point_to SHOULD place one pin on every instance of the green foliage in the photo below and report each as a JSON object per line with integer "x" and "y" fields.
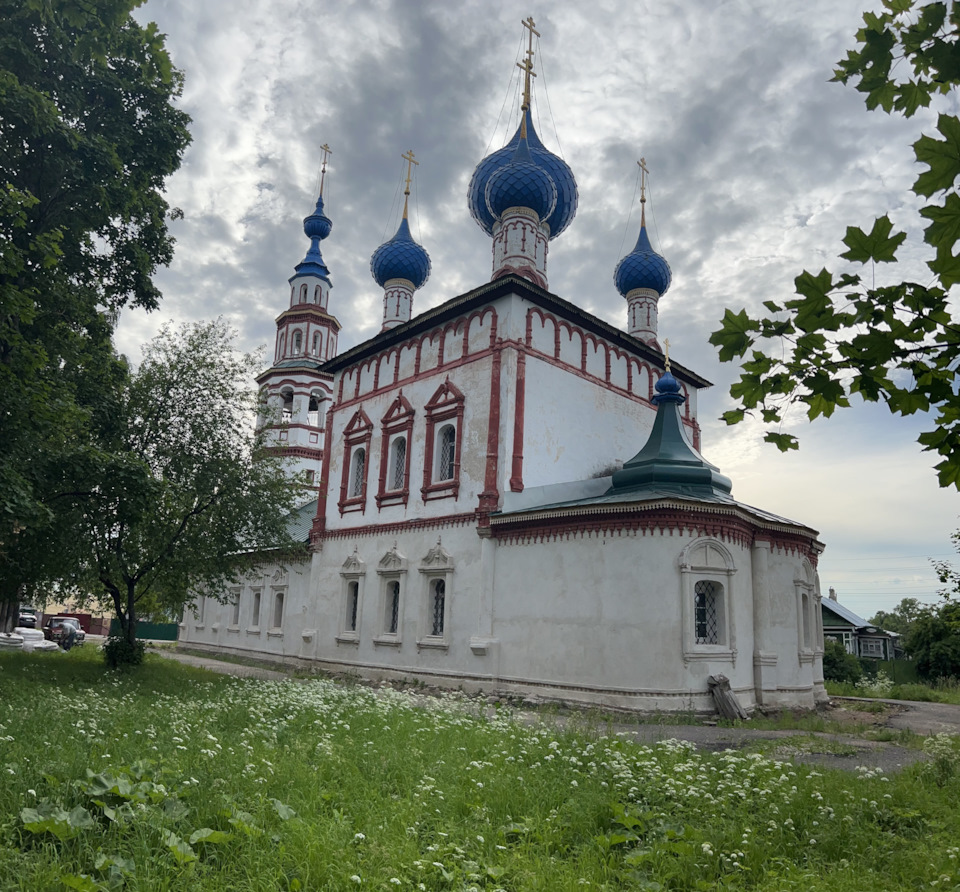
{"x": 121, "y": 653}
{"x": 838, "y": 665}
{"x": 900, "y": 619}
{"x": 90, "y": 134}
{"x": 181, "y": 495}
{"x": 934, "y": 642}
{"x": 177, "y": 779}
{"x": 894, "y": 344}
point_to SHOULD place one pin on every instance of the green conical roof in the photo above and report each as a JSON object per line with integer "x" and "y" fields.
{"x": 668, "y": 462}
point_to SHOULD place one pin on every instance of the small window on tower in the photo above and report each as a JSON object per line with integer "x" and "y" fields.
{"x": 317, "y": 295}
{"x": 303, "y": 294}
{"x": 297, "y": 343}
{"x": 316, "y": 343}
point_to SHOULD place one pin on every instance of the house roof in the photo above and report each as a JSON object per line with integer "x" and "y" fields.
{"x": 847, "y": 615}
{"x": 511, "y": 284}
{"x": 300, "y": 520}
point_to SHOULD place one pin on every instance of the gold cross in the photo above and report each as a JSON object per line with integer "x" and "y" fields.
{"x": 642, "y": 164}
{"x": 527, "y": 64}
{"x": 408, "y": 157}
{"x": 666, "y": 353}
{"x": 323, "y": 166}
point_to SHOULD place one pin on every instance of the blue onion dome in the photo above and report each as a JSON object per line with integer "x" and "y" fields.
{"x": 521, "y": 184}
{"x": 558, "y": 169}
{"x": 400, "y": 258}
{"x": 316, "y": 227}
{"x": 668, "y": 389}
{"x": 642, "y": 268}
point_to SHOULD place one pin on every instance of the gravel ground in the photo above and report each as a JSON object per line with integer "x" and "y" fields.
{"x": 883, "y": 718}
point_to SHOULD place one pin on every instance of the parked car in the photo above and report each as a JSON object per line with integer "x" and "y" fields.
{"x": 28, "y": 618}
{"x": 56, "y": 630}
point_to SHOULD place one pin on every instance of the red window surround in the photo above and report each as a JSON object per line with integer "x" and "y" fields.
{"x": 398, "y": 420}
{"x": 357, "y": 434}
{"x": 445, "y": 405}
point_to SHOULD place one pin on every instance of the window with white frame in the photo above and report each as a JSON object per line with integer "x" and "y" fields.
{"x": 352, "y": 574}
{"x": 398, "y": 463}
{"x": 437, "y": 574}
{"x": 396, "y": 430}
{"x": 358, "y": 468}
{"x": 446, "y": 451}
{"x": 235, "y": 603}
{"x": 255, "y": 612}
{"x": 356, "y": 451}
{"x": 392, "y": 571}
{"x": 391, "y": 612}
{"x": 278, "y": 598}
{"x": 707, "y": 572}
{"x": 871, "y": 647}
{"x": 444, "y": 443}
{"x": 708, "y": 598}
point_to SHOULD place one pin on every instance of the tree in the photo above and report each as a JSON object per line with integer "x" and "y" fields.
{"x": 934, "y": 642}
{"x": 89, "y": 135}
{"x": 838, "y": 665}
{"x": 181, "y": 496}
{"x": 900, "y": 619}
{"x": 898, "y": 343}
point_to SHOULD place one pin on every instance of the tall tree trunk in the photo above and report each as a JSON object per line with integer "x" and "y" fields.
{"x": 131, "y": 630}
{"x": 9, "y": 613}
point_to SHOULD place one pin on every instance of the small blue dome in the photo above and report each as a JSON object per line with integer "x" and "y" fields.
{"x": 521, "y": 183}
{"x": 668, "y": 388}
{"x": 316, "y": 227}
{"x": 400, "y": 258}
{"x": 558, "y": 169}
{"x": 642, "y": 268}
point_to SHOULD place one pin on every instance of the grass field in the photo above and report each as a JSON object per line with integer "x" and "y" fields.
{"x": 168, "y": 778}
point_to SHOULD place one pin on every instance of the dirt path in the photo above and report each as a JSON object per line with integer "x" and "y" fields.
{"x": 847, "y": 751}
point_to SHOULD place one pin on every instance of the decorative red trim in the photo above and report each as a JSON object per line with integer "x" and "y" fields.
{"x": 516, "y": 470}
{"x": 490, "y": 496}
{"x": 398, "y": 420}
{"x": 356, "y": 435}
{"x": 402, "y": 526}
{"x": 320, "y": 520}
{"x": 445, "y": 404}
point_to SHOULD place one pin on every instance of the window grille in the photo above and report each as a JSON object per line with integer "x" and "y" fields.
{"x": 706, "y": 617}
{"x": 394, "y": 608}
{"x": 439, "y": 590}
{"x": 353, "y": 599}
{"x": 359, "y": 463}
{"x": 448, "y": 442}
{"x": 399, "y": 463}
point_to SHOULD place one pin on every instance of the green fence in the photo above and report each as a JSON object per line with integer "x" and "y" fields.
{"x": 150, "y": 631}
{"x": 899, "y": 671}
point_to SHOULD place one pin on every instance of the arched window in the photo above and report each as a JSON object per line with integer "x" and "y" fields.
{"x": 393, "y": 607}
{"x": 297, "y": 342}
{"x": 318, "y": 295}
{"x": 316, "y": 343}
{"x": 437, "y": 598}
{"x": 446, "y": 452}
{"x": 353, "y": 600}
{"x": 398, "y": 463}
{"x": 303, "y": 294}
{"x": 287, "y": 412}
{"x": 357, "y": 472}
{"x": 278, "y": 610}
{"x": 313, "y": 411}
{"x": 706, "y": 611}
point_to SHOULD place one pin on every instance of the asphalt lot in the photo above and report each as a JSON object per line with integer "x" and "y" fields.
{"x": 832, "y": 750}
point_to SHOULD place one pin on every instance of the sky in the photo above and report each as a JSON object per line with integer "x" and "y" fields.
{"x": 757, "y": 166}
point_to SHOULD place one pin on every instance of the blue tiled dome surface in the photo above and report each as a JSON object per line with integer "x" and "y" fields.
{"x": 400, "y": 258}
{"x": 560, "y": 172}
{"x": 521, "y": 183}
{"x": 642, "y": 268}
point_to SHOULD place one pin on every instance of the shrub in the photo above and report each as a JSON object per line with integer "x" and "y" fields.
{"x": 838, "y": 665}
{"x": 119, "y": 653}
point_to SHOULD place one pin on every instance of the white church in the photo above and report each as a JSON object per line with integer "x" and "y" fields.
{"x": 510, "y": 493}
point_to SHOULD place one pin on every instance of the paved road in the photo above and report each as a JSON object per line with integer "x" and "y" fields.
{"x": 845, "y": 751}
